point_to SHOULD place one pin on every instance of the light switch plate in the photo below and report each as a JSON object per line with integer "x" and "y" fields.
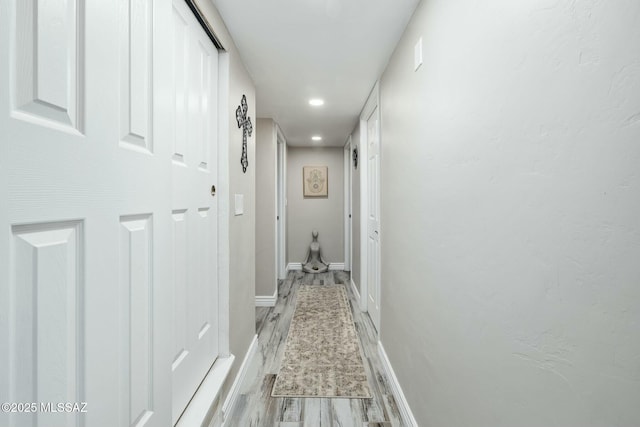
{"x": 417, "y": 55}
{"x": 239, "y": 204}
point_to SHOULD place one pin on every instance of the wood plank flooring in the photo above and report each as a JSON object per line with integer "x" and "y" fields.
{"x": 256, "y": 407}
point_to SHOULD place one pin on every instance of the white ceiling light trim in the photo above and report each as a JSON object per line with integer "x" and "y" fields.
{"x": 316, "y": 102}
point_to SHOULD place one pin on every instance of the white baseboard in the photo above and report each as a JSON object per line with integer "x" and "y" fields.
{"x": 297, "y": 266}
{"x": 198, "y": 408}
{"x": 403, "y": 406}
{"x": 294, "y": 266}
{"x": 355, "y": 290}
{"x": 269, "y": 301}
{"x": 234, "y": 392}
{"x": 336, "y": 266}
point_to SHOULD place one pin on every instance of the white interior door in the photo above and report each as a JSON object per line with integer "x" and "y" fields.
{"x": 84, "y": 218}
{"x": 373, "y": 217}
{"x": 194, "y": 206}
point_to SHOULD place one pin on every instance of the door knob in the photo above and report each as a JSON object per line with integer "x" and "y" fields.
{"x": 213, "y": 190}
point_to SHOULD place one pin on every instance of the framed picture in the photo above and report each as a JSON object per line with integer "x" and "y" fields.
{"x": 315, "y": 181}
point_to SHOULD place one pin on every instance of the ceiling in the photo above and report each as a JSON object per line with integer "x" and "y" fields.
{"x": 301, "y": 49}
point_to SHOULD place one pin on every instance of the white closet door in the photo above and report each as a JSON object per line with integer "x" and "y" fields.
{"x": 194, "y": 207}
{"x": 85, "y": 215}
{"x": 373, "y": 217}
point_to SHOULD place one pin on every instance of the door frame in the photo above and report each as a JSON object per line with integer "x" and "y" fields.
{"x": 281, "y": 204}
{"x": 348, "y": 179}
{"x": 223, "y": 190}
{"x": 373, "y": 102}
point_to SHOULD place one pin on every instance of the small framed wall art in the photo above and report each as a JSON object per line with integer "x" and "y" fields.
{"x": 315, "y": 181}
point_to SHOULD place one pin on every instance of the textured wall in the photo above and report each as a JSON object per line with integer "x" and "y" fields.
{"x": 266, "y": 150}
{"x": 324, "y": 214}
{"x": 242, "y": 231}
{"x": 511, "y": 254}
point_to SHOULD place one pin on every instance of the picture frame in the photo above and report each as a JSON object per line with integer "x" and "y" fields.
{"x": 315, "y": 181}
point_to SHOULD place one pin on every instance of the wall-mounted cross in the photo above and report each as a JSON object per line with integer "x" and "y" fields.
{"x": 244, "y": 122}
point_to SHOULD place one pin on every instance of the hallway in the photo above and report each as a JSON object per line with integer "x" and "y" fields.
{"x": 472, "y": 169}
{"x": 256, "y": 407}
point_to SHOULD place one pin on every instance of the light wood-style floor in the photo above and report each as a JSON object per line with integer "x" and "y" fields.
{"x": 256, "y": 407}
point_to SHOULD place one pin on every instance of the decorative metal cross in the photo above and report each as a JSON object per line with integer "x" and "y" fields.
{"x": 244, "y": 122}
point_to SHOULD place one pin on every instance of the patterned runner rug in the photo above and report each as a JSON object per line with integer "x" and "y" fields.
{"x": 322, "y": 357}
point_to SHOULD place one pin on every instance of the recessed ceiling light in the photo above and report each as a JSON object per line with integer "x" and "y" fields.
{"x": 316, "y": 138}
{"x": 316, "y": 102}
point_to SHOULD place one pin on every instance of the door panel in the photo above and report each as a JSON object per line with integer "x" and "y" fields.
{"x": 47, "y": 298}
{"x": 136, "y": 79}
{"x": 136, "y": 284}
{"x": 48, "y": 65}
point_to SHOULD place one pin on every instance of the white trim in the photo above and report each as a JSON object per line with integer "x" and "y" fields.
{"x": 223, "y": 195}
{"x": 234, "y": 391}
{"x": 333, "y": 266}
{"x": 267, "y": 301}
{"x": 362, "y": 155}
{"x": 350, "y": 265}
{"x": 371, "y": 104}
{"x": 195, "y": 414}
{"x": 347, "y": 203}
{"x": 355, "y": 289}
{"x": 281, "y": 195}
{"x": 284, "y": 206}
{"x": 276, "y": 224}
{"x": 373, "y": 306}
{"x": 401, "y": 401}
{"x": 294, "y": 266}
{"x": 336, "y": 266}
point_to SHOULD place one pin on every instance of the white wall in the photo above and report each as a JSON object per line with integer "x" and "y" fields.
{"x": 266, "y": 164}
{"x": 323, "y": 214}
{"x": 511, "y": 213}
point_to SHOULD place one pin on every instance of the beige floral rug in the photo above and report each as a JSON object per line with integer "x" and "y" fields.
{"x": 322, "y": 357}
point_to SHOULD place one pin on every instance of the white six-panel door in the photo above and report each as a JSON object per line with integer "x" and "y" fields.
{"x": 373, "y": 217}
{"x": 194, "y": 207}
{"x": 107, "y": 223}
